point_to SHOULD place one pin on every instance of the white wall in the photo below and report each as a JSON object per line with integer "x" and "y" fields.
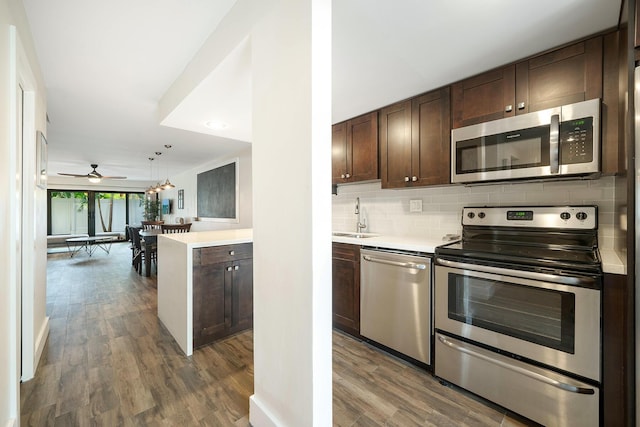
{"x": 291, "y": 60}
{"x": 188, "y": 181}
{"x": 387, "y": 211}
{"x": 12, "y": 14}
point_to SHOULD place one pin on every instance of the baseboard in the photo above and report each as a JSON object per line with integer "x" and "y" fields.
{"x": 40, "y": 343}
{"x": 259, "y": 415}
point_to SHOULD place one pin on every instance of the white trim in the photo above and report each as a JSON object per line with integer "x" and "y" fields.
{"x": 259, "y": 416}
{"x": 40, "y": 342}
{"x": 13, "y": 237}
{"x": 12, "y": 422}
{"x": 27, "y": 82}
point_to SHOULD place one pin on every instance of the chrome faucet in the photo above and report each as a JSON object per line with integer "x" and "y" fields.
{"x": 359, "y": 225}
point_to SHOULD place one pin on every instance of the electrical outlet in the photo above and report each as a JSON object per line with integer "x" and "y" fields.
{"x": 415, "y": 205}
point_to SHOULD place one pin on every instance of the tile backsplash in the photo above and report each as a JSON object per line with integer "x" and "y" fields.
{"x": 387, "y": 211}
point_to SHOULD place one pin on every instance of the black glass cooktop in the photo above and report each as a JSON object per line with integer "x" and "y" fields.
{"x": 548, "y": 250}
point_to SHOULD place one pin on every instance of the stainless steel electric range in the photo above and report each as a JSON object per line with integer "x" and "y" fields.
{"x": 517, "y": 311}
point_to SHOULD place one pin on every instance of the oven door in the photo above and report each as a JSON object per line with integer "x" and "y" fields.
{"x": 555, "y": 324}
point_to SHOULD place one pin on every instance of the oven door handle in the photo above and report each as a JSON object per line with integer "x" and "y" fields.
{"x": 554, "y": 278}
{"x": 395, "y": 263}
{"x": 526, "y": 372}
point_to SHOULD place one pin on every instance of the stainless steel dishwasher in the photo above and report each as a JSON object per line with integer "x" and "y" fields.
{"x": 395, "y": 301}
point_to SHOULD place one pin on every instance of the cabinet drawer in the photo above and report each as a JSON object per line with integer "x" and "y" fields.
{"x": 346, "y": 251}
{"x": 217, "y": 254}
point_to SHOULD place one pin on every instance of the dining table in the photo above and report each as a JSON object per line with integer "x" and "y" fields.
{"x": 149, "y": 238}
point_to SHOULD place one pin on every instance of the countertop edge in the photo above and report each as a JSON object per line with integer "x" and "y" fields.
{"x": 202, "y": 239}
{"x": 611, "y": 261}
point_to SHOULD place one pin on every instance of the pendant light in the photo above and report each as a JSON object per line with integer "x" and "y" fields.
{"x": 167, "y": 184}
{"x": 150, "y": 190}
{"x": 158, "y": 187}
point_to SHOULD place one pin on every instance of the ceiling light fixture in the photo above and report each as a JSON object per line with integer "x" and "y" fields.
{"x": 158, "y": 187}
{"x": 150, "y": 190}
{"x": 216, "y": 125}
{"x": 94, "y": 179}
{"x": 167, "y": 184}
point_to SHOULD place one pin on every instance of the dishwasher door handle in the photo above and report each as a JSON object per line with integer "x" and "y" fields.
{"x": 395, "y": 263}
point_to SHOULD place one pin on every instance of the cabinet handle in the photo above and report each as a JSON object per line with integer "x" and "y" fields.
{"x": 508, "y": 108}
{"x": 414, "y": 178}
{"x": 236, "y": 268}
{"x": 343, "y": 176}
{"x": 232, "y": 253}
{"x": 228, "y": 268}
{"x": 406, "y": 179}
{"x": 347, "y": 176}
{"x": 520, "y": 105}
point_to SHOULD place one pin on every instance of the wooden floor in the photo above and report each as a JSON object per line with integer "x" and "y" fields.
{"x": 108, "y": 362}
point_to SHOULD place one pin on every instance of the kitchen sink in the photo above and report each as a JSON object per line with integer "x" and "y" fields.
{"x": 355, "y": 235}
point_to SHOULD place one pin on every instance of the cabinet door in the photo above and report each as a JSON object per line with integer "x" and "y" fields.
{"x": 339, "y": 153}
{"x": 564, "y": 76}
{"x": 346, "y": 287}
{"x": 211, "y": 303}
{"x": 488, "y": 96}
{"x": 395, "y": 145}
{"x": 362, "y": 147}
{"x": 242, "y": 295}
{"x": 430, "y": 135}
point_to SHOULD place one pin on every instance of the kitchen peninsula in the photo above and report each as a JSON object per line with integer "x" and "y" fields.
{"x": 205, "y": 285}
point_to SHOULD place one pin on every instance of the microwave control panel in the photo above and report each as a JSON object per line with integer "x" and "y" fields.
{"x": 576, "y": 141}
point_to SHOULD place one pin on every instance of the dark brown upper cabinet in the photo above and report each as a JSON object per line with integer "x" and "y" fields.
{"x": 355, "y": 149}
{"x": 414, "y": 141}
{"x": 563, "y": 76}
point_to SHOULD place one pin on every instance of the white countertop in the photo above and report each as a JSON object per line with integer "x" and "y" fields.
{"x": 417, "y": 244}
{"x": 201, "y": 239}
{"x": 611, "y": 262}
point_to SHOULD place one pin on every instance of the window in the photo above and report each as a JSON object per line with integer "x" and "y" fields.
{"x": 93, "y": 213}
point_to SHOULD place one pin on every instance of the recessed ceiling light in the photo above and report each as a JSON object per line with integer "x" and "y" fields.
{"x": 216, "y": 125}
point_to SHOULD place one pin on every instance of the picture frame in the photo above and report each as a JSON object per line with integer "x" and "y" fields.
{"x": 41, "y": 160}
{"x": 217, "y": 193}
{"x": 180, "y": 199}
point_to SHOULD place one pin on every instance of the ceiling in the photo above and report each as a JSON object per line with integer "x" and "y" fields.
{"x": 107, "y": 65}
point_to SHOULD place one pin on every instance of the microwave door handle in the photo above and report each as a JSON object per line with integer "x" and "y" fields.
{"x": 554, "y": 146}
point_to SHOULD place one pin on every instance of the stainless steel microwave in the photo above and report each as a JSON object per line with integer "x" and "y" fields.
{"x": 561, "y": 141}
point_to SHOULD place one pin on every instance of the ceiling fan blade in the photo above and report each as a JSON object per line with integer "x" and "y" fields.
{"x": 73, "y": 175}
{"x": 93, "y": 176}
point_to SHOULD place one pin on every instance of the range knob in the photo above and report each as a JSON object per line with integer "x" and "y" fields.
{"x": 471, "y": 215}
{"x": 481, "y": 215}
{"x": 565, "y": 215}
{"x": 581, "y": 216}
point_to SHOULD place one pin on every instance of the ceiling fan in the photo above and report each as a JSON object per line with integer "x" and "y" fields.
{"x": 93, "y": 176}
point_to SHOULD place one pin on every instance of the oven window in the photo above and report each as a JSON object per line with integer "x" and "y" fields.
{"x": 540, "y": 316}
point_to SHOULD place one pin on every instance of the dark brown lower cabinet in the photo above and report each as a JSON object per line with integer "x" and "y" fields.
{"x": 222, "y": 292}
{"x": 617, "y": 352}
{"x": 346, "y": 288}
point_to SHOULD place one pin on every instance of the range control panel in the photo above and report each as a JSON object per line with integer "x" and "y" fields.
{"x": 563, "y": 217}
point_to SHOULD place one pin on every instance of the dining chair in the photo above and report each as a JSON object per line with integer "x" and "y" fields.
{"x": 175, "y": 228}
{"x": 150, "y": 225}
{"x": 140, "y": 250}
